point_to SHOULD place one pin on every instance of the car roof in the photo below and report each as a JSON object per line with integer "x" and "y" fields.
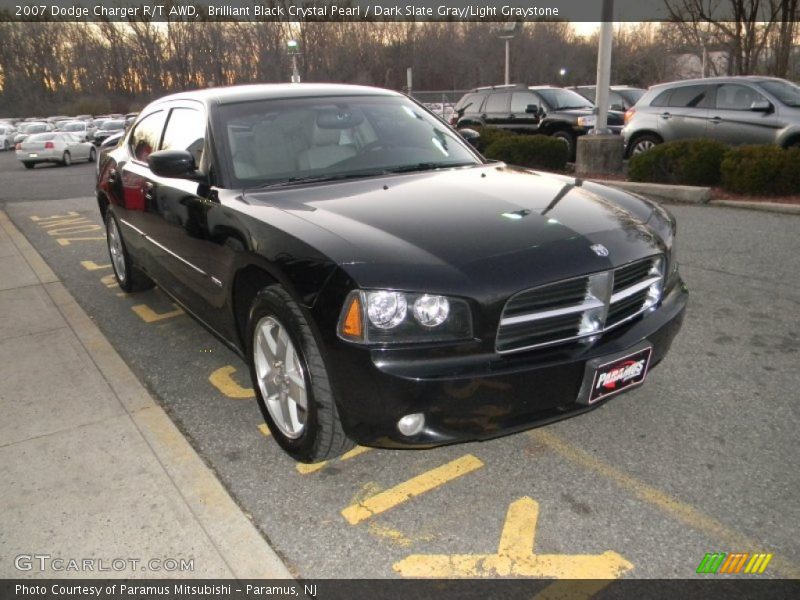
{"x": 710, "y": 80}
{"x": 264, "y": 91}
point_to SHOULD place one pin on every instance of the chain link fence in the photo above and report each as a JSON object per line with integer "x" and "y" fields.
{"x": 440, "y": 102}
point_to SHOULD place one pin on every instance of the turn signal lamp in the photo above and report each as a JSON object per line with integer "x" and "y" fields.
{"x": 353, "y": 324}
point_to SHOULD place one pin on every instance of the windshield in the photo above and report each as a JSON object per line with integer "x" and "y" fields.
{"x": 113, "y": 125}
{"x": 74, "y": 127}
{"x": 286, "y": 141}
{"x": 35, "y": 128}
{"x": 786, "y": 92}
{"x": 558, "y": 99}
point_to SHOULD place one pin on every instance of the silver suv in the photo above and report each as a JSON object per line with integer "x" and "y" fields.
{"x": 733, "y": 110}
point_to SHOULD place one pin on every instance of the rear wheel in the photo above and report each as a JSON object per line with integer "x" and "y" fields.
{"x": 6, "y": 145}
{"x": 643, "y": 143}
{"x": 28, "y": 165}
{"x": 92, "y": 154}
{"x": 129, "y": 278}
{"x": 66, "y": 159}
{"x": 290, "y": 379}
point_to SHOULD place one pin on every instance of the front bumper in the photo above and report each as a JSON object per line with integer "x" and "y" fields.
{"x": 466, "y": 397}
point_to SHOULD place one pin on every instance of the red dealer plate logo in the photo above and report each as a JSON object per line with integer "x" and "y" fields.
{"x": 619, "y": 375}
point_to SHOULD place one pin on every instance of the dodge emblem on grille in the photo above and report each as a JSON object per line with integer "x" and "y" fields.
{"x": 599, "y": 249}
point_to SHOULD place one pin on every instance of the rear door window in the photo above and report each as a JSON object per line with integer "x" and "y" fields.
{"x": 497, "y": 103}
{"x": 689, "y": 96}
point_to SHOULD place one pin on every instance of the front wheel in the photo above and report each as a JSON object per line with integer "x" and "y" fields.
{"x": 290, "y": 379}
{"x": 643, "y": 143}
{"x": 6, "y": 145}
{"x": 28, "y": 165}
{"x": 129, "y": 278}
{"x": 92, "y": 154}
{"x": 568, "y": 139}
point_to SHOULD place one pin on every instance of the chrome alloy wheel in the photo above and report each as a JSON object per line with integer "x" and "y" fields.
{"x": 643, "y": 146}
{"x": 280, "y": 377}
{"x": 115, "y": 248}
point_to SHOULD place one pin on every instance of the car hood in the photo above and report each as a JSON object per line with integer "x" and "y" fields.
{"x": 508, "y": 228}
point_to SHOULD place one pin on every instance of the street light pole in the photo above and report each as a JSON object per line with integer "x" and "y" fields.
{"x": 294, "y": 50}
{"x": 604, "y": 69}
{"x": 508, "y": 59}
{"x": 508, "y": 31}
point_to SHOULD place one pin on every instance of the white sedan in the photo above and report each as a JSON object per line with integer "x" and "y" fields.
{"x": 63, "y": 148}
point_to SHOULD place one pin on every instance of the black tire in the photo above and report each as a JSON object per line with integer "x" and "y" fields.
{"x": 132, "y": 280}
{"x": 66, "y": 159}
{"x": 6, "y": 145}
{"x": 28, "y": 165}
{"x": 322, "y": 437}
{"x": 92, "y": 154}
{"x": 643, "y": 143}
{"x": 568, "y": 139}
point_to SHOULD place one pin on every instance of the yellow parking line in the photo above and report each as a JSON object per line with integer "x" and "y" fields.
{"x": 90, "y": 265}
{"x": 222, "y": 380}
{"x": 678, "y": 510}
{"x": 304, "y": 469}
{"x": 264, "y": 430}
{"x": 110, "y": 280}
{"x": 148, "y": 315}
{"x": 374, "y": 505}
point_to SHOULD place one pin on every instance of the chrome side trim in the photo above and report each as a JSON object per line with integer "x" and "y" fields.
{"x": 180, "y": 258}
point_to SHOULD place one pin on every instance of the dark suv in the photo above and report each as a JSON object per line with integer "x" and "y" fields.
{"x": 547, "y": 110}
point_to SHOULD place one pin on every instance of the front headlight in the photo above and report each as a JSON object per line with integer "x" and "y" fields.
{"x": 391, "y": 317}
{"x": 589, "y": 121}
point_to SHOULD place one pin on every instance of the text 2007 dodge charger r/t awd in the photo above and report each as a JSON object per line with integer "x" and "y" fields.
{"x": 387, "y": 284}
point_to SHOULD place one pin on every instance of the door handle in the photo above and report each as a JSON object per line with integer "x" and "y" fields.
{"x": 483, "y": 116}
{"x": 715, "y": 120}
{"x": 666, "y": 115}
{"x": 148, "y": 191}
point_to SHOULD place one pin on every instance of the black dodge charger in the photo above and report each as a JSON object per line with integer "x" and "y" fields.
{"x": 386, "y": 284}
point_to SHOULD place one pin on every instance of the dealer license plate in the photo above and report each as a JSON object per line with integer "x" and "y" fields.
{"x": 610, "y": 375}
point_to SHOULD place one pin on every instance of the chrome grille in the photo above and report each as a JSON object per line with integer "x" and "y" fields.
{"x": 579, "y": 308}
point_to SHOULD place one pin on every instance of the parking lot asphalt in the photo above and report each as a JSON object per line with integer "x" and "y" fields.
{"x": 700, "y": 459}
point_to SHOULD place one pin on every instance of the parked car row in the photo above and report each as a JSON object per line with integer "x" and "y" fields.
{"x": 84, "y": 127}
{"x": 734, "y": 110}
{"x": 561, "y": 113}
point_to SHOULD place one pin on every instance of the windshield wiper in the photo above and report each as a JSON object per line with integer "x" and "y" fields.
{"x": 426, "y": 166}
{"x": 314, "y": 179}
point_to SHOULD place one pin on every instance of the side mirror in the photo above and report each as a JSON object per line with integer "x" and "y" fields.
{"x": 618, "y": 107}
{"x": 471, "y": 136}
{"x": 172, "y": 163}
{"x": 532, "y": 109}
{"x": 761, "y": 106}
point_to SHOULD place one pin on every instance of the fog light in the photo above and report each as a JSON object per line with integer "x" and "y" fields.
{"x": 411, "y": 424}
